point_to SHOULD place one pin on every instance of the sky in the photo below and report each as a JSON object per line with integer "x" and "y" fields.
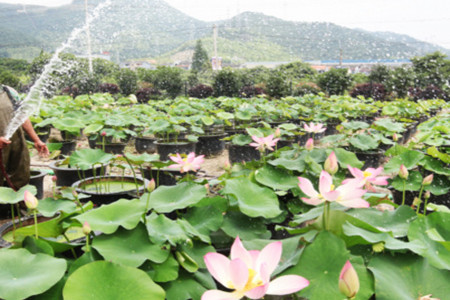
{"x": 426, "y": 20}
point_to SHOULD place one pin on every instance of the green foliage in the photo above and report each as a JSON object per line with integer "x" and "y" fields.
{"x": 334, "y": 81}
{"x": 9, "y": 79}
{"x": 431, "y": 69}
{"x": 127, "y": 80}
{"x": 168, "y": 79}
{"x": 277, "y": 85}
{"x": 296, "y": 70}
{"x": 200, "y": 60}
{"x": 380, "y": 74}
{"x": 226, "y": 83}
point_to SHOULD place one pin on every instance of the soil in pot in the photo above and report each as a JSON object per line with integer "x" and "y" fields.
{"x": 165, "y": 149}
{"x": 107, "y": 189}
{"x": 37, "y": 179}
{"x": 210, "y": 145}
{"x": 237, "y": 153}
{"x": 66, "y": 176}
{"x": 145, "y": 144}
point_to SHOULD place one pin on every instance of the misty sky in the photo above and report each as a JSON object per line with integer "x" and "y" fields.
{"x": 427, "y": 20}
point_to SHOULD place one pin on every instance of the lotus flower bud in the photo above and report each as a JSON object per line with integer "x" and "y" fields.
{"x": 348, "y": 281}
{"x": 331, "y": 164}
{"x": 403, "y": 172}
{"x": 151, "y": 185}
{"x": 416, "y": 202}
{"x": 86, "y": 228}
{"x": 427, "y": 195}
{"x": 227, "y": 166}
{"x": 428, "y": 180}
{"x": 277, "y": 133}
{"x": 30, "y": 200}
{"x": 103, "y": 133}
{"x": 54, "y": 178}
{"x": 395, "y": 137}
{"x": 309, "y": 144}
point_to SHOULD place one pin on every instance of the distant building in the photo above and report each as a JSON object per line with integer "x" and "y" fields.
{"x": 356, "y": 65}
{"x": 134, "y": 65}
{"x": 267, "y": 64}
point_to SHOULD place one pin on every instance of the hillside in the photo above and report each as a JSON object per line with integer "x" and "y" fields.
{"x": 153, "y": 29}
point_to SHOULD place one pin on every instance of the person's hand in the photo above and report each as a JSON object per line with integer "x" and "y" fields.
{"x": 42, "y": 149}
{"x": 4, "y": 142}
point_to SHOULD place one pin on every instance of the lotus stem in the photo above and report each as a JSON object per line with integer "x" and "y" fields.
{"x": 134, "y": 175}
{"x": 35, "y": 224}
{"x": 420, "y": 198}
{"x": 13, "y": 221}
{"x": 404, "y": 188}
{"x": 71, "y": 249}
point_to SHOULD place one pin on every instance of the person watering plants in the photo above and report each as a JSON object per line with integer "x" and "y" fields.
{"x": 15, "y": 155}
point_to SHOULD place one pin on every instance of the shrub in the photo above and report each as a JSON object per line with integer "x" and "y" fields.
{"x": 430, "y": 92}
{"x": 277, "y": 85}
{"x": 249, "y": 91}
{"x": 334, "y": 81}
{"x": 145, "y": 94}
{"x": 127, "y": 80}
{"x": 305, "y": 88}
{"x": 375, "y": 91}
{"x": 108, "y": 88}
{"x": 168, "y": 79}
{"x": 226, "y": 83}
{"x": 200, "y": 91}
{"x": 71, "y": 90}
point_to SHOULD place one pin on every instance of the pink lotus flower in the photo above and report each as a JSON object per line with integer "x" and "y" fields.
{"x": 248, "y": 273}
{"x": 367, "y": 177}
{"x": 264, "y": 143}
{"x": 309, "y": 144}
{"x": 348, "y": 281}
{"x": 331, "y": 164}
{"x": 314, "y": 128}
{"x": 190, "y": 163}
{"x": 348, "y": 195}
{"x": 30, "y": 200}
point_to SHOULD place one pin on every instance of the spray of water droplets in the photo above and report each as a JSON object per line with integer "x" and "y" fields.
{"x": 46, "y": 80}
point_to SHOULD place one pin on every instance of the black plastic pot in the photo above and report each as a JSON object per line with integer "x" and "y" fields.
{"x": 103, "y": 197}
{"x": 165, "y": 149}
{"x": 8, "y": 226}
{"x": 66, "y": 176}
{"x": 37, "y": 179}
{"x": 163, "y": 176}
{"x": 210, "y": 145}
{"x": 284, "y": 143}
{"x": 145, "y": 144}
{"x": 372, "y": 159}
{"x": 238, "y": 153}
{"x": 68, "y": 147}
{"x": 410, "y": 195}
{"x": 114, "y": 148}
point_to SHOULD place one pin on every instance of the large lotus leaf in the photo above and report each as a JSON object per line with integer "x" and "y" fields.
{"x": 161, "y": 229}
{"x": 290, "y": 255}
{"x": 159, "y": 126}
{"x": 47, "y": 229}
{"x": 71, "y": 125}
{"x": 164, "y": 272}
{"x": 396, "y": 221}
{"x": 103, "y": 280}
{"x": 107, "y": 218}
{"x": 241, "y": 139}
{"x": 87, "y": 158}
{"x": 189, "y": 286}
{"x": 276, "y": 178}
{"x": 49, "y": 206}
{"x": 225, "y": 115}
{"x": 314, "y": 213}
{"x": 207, "y": 218}
{"x": 321, "y": 263}
{"x": 129, "y": 247}
{"x": 439, "y": 186}
{"x": 346, "y": 158}
{"x": 294, "y": 163}
{"x": 390, "y": 110}
{"x": 92, "y": 128}
{"x": 413, "y": 183}
{"x": 433, "y": 151}
{"x": 237, "y": 224}
{"x": 142, "y": 158}
{"x": 363, "y": 142}
{"x": 409, "y": 159}
{"x": 166, "y": 199}
{"x": 23, "y": 274}
{"x": 197, "y": 252}
{"x": 389, "y": 125}
{"x": 192, "y": 231}
{"x": 435, "y": 166}
{"x": 385, "y": 238}
{"x": 434, "y": 231}
{"x": 355, "y": 125}
{"x": 406, "y": 277}
{"x": 9, "y": 196}
{"x": 253, "y": 200}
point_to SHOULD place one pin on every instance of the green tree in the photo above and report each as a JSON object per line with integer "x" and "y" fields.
{"x": 9, "y": 79}
{"x": 402, "y": 78}
{"x": 127, "y": 81}
{"x": 200, "y": 60}
{"x": 334, "y": 81}
{"x": 169, "y": 79}
{"x": 295, "y": 71}
{"x": 431, "y": 69}
{"x": 226, "y": 83}
{"x": 381, "y": 74}
{"x": 277, "y": 85}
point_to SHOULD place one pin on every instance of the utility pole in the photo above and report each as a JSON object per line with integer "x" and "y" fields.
{"x": 215, "y": 62}
{"x": 215, "y": 39}
{"x": 88, "y": 33}
{"x": 340, "y": 54}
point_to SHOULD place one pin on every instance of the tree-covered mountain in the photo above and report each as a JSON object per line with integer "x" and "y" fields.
{"x": 153, "y": 29}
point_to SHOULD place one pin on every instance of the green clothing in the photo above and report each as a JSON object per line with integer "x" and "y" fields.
{"x": 16, "y": 157}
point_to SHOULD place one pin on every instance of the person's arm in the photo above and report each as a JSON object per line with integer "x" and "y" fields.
{"x": 4, "y": 142}
{"x": 40, "y": 146}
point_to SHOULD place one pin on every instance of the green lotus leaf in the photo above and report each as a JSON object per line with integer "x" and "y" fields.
{"x": 237, "y": 224}
{"x": 406, "y": 277}
{"x": 276, "y": 178}
{"x": 103, "y": 280}
{"x": 253, "y": 200}
{"x": 161, "y": 229}
{"x": 48, "y": 207}
{"x": 189, "y": 286}
{"x": 9, "y": 196}
{"x": 129, "y": 247}
{"x": 107, "y": 218}
{"x": 363, "y": 142}
{"x": 166, "y": 199}
{"x": 409, "y": 159}
{"x": 23, "y": 274}
{"x": 87, "y": 158}
{"x": 164, "y": 272}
